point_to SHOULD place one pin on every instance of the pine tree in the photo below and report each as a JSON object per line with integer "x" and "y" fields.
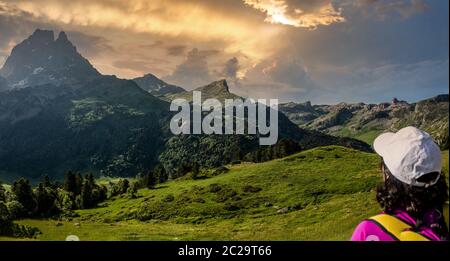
{"x": 160, "y": 175}
{"x": 22, "y": 190}
{"x": 85, "y": 195}
{"x": 47, "y": 182}
{"x": 2, "y": 193}
{"x": 5, "y": 220}
{"x": 151, "y": 180}
{"x": 195, "y": 170}
{"x": 45, "y": 200}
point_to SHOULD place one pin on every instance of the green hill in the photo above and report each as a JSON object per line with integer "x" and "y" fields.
{"x": 319, "y": 194}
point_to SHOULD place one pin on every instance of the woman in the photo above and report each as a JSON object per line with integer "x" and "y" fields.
{"x": 414, "y": 192}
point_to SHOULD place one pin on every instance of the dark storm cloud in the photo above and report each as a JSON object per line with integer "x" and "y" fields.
{"x": 281, "y": 77}
{"x": 231, "y": 68}
{"x": 230, "y": 72}
{"x": 176, "y": 50}
{"x": 90, "y": 45}
{"x": 13, "y": 30}
{"x": 194, "y": 71}
{"x": 143, "y": 66}
{"x": 155, "y": 44}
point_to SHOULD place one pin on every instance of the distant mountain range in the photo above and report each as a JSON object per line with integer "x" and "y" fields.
{"x": 365, "y": 121}
{"x": 58, "y": 113}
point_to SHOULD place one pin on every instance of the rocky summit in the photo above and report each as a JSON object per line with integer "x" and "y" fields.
{"x": 42, "y": 59}
{"x": 218, "y": 90}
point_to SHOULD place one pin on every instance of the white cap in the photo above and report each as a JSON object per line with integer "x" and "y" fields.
{"x": 409, "y": 154}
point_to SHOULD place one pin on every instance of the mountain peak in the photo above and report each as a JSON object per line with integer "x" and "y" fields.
{"x": 223, "y": 84}
{"x": 41, "y": 37}
{"x": 62, "y": 37}
{"x": 40, "y": 59}
{"x": 217, "y": 86}
{"x": 149, "y": 75}
{"x": 152, "y": 84}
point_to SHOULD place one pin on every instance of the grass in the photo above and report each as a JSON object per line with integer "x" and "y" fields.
{"x": 367, "y": 135}
{"x": 319, "y": 194}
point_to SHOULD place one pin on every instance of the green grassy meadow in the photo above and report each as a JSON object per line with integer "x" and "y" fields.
{"x": 319, "y": 194}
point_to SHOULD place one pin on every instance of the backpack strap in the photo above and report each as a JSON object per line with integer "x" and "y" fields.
{"x": 445, "y": 210}
{"x": 397, "y": 228}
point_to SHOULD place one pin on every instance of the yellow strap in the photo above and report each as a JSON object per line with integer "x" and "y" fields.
{"x": 445, "y": 209}
{"x": 398, "y": 228}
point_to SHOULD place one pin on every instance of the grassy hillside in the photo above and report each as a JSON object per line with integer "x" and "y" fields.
{"x": 320, "y": 194}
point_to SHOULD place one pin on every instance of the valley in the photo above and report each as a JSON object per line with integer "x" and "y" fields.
{"x": 319, "y": 194}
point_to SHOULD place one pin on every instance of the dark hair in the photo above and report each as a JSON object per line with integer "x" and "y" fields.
{"x": 392, "y": 194}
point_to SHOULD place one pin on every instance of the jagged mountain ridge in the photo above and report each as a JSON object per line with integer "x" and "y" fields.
{"x": 367, "y": 120}
{"x": 217, "y": 90}
{"x": 156, "y": 86}
{"x": 41, "y": 59}
{"x": 81, "y": 121}
{"x": 92, "y": 122}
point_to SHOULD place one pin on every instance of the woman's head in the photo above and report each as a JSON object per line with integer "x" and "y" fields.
{"x": 413, "y": 181}
{"x": 411, "y": 169}
{"x": 393, "y": 194}
{"x": 409, "y": 154}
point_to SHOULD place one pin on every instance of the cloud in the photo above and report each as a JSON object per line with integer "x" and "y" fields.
{"x": 194, "y": 71}
{"x": 281, "y": 77}
{"x": 231, "y": 68}
{"x": 283, "y": 70}
{"x": 290, "y": 72}
{"x": 13, "y": 30}
{"x": 383, "y": 9}
{"x": 190, "y": 19}
{"x": 90, "y": 45}
{"x": 155, "y": 44}
{"x": 370, "y": 83}
{"x": 298, "y": 13}
{"x": 313, "y": 13}
{"x": 230, "y": 72}
{"x": 272, "y": 58}
{"x": 176, "y": 50}
{"x": 142, "y": 66}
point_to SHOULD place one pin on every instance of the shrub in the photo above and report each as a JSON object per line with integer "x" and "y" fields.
{"x": 16, "y": 210}
{"x": 231, "y": 207}
{"x": 251, "y": 189}
{"x": 225, "y": 194}
{"x": 132, "y": 191}
{"x": 220, "y": 170}
{"x": 169, "y": 198}
{"x": 214, "y": 188}
{"x": 199, "y": 200}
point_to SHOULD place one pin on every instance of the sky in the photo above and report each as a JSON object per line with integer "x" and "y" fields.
{"x": 324, "y": 51}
